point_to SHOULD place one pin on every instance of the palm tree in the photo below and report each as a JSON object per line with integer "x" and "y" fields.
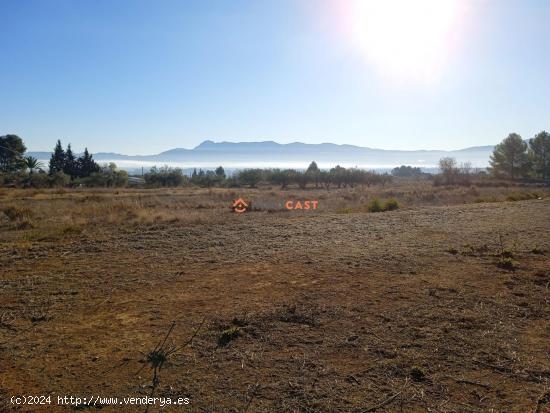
{"x": 32, "y": 163}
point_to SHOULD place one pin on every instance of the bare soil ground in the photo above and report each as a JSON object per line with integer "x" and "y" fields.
{"x": 426, "y": 309}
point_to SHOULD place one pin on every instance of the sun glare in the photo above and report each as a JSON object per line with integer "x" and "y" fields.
{"x": 406, "y": 39}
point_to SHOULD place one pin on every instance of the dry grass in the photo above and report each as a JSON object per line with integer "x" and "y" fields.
{"x": 413, "y": 310}
{"x": 58, "y": 213}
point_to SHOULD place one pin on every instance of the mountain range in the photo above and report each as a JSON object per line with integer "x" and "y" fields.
{"x": 270, "y": 153}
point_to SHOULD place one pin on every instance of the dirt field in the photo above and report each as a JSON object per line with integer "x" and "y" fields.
{"x": 430, "y": 308}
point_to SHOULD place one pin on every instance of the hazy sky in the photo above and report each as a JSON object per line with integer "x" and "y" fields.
{"x": 147, "y": 76}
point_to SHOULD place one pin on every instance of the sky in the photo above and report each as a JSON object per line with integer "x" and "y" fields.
{"x": 141, "y": 77}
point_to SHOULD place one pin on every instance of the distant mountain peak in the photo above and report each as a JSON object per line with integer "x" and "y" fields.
{"x": 225, "y": 145}
{"x": 205, "y": 144}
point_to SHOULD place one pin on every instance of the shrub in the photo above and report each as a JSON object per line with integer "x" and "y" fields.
{"x": 38, "y": 180}
{"x": 506, "y": 253}
{"x": 375, "y": 206}
{"x": 105, "y": 179}
{"x": 378, "y": 206}
{"x": 60, "y": 179}
{"x": 391, "y": 205}
{"x": 506, "y": 263}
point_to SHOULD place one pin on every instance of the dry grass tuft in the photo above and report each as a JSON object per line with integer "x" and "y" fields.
{"x": 15, "y": 213}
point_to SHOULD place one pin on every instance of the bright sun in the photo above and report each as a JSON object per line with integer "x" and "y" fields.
{"x": 406, "y": 39}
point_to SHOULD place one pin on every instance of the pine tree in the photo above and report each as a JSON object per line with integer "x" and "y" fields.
{"x": 57, "y": 161}
{"x": 86, "y": 165}
{"x": 510, "y": 158}
{"x": 539, "y": 151}
{"x": 70, "y": 167}
{"x": 220, "y": 172}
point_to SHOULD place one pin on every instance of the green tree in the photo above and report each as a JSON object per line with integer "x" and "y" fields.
{"x": 539, "y": 153}
{"x": 510, "y": 158}
{"x": 31, "y": 163}
{"x": 302, "y": 178}
{"x": 324, "y": 178}
{"x": 210, "y": 178}
{"x": 109, "y": 175}
{"x": 57, "y": 160}
{"x": 337, "y": 175}
{"x": 405, "y": 171}
{"x": 165, "y": 176}
{"x": 12, "y": 149}
{"x": 85, "y": 165}
{"x": 220, "y": 173}
{"x": 250, "y": 177}
{"x": 282, "y": 177}
{"x": 70, "y": 167}
{"x": 313, "y": 173}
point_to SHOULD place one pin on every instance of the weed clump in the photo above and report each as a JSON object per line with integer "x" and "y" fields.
{"x": 17, "y": 213}
{"x": 482, "y": 200}
{"x": 391, "y": 205}
{"x": 522, "y": 196}
{"x": 505, "y": 256}
{"x": 345, "y": 211}
{"x": 19, "y": 217}
{"x": 297, "y": 315}
{"x": 506, "y": 263}
{"x": 24, "y": 224}
{"x": 417, "y": 374}
{"x": 228, "y": 335}
{"x": 39, "y": 313}
{"x": 376, "y": 205}
{"x": 506, "y": 253}
{"x": 473, "y": 250}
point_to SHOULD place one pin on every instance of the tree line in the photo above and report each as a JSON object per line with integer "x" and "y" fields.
{"x": 84, "y": 170}
{"x": 65, "y": 161}
{"x": 64, "y": 167}
{"x": 512, "y": 159}
{"x": 338, "y": 176}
